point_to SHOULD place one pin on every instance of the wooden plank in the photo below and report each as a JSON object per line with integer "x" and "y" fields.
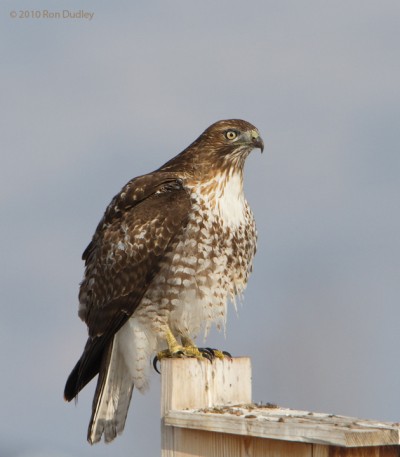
{"x": 193, "y": 383}
{"x": 190, "y": 443}
{"x": 206, "y": 411}
{"x": 376, "y": 451}
{"x": 319, "y": 450}
{"x": 288, "y": 425}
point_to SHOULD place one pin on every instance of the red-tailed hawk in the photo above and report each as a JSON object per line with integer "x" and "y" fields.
{"x": 171, "y": 249}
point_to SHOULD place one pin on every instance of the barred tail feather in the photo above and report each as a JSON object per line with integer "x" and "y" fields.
{"x": 112, "y": 397}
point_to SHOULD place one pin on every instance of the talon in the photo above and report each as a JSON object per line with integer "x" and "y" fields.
{"x": 155, "y": 360}
{"x": 186, "y": 349}
{"x": 206, "y": 354}
{"x": 208, "y": 351}
{"x": 216, "y": 353}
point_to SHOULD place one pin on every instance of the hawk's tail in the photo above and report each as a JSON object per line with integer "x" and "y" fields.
{"x": 113, "y": 391}
{"x": 112, "y": 397}
{"x": 87, "y": 367}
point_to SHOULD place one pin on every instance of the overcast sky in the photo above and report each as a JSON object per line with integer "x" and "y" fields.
{"x": 89, "y": 104}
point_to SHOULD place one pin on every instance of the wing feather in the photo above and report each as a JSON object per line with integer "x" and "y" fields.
{"x": 141, "y": 224}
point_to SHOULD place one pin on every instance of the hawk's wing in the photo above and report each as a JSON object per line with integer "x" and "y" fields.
{"x": 139, "y": 227}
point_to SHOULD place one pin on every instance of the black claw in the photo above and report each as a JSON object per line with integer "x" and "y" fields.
{"x": 212, "y": 351}
{"x": 207, "y": 354}
{"x": 155, "y": 360}
{"x": 209, "y": 351}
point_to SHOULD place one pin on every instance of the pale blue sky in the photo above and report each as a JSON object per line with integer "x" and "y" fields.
{"x": 88, "y": 105}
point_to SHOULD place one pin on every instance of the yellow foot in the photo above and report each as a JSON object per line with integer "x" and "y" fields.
{"x": 213, "y": 353}
{"x": 178, "y": 351}
{"x": 186, "y": 349}
{"x": 190, "y": 351}
{"x": 175, "y": 350}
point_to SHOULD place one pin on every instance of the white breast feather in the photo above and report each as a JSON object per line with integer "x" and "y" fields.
{"x": 231, "y": 201}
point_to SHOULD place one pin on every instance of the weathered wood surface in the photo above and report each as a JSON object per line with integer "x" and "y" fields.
{"x": 195, "y": 384}
{"x": 288, "y": 425}
{"x": 192, "y": 383}
{"x": 207, "y": 411}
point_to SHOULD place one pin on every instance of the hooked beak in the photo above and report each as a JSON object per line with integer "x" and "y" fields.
{"x": 256, "y": 140}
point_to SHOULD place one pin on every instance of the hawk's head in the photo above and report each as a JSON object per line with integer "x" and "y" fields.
{"x": 231, "y": 136}
{"x": 221, "y": 147}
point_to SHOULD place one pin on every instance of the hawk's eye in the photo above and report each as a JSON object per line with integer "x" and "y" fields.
{"x": 231, "y": 134}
